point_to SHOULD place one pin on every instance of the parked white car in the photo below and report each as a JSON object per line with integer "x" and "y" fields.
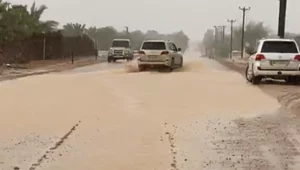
{"x": 159, "y": 53}
{"x": 274, "y": 58}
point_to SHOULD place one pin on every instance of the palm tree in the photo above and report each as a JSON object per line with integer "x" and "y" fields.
{"x": 41, "y": 26}
{"x": 92, "y": 31}
{"x": 76, "y": 29}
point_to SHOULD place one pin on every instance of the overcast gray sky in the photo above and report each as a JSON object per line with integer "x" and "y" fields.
{"x": 166, "y": 16}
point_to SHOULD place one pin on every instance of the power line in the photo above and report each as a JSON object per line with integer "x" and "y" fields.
{"x": 231, "y": 35}
{"x": 244, "y": 9}
{"x": 281, "y": 19}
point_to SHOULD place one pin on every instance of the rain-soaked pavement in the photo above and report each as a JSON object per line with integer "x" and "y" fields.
{"x": 203, "y": 116}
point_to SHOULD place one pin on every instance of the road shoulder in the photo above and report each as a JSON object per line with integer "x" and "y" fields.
{"x": 50, "y": 67}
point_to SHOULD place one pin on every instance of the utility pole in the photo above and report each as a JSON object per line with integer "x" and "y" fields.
{"x": 223, "y": 32}
{"x": 281, "y": 19}
{"x": 216, "y": 34}
{"x": 127, "y": 31}
{"x": 231, "y": 35}
{"x": 244, "y": 9}
{"x": 216, "y": 38}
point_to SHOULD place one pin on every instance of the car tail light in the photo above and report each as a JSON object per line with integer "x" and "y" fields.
{"x": 297, "y": 57}
{"x": 142, "y": 52}
{"x": 259, "y": 57}
{"x": 164, "y": 52}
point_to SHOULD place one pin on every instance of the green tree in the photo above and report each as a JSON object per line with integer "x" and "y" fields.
{"x": 254, "y": 31}
{"x": 71, "y": 29}
{"x": 15, "y": 23}
{"x": 105, "y": 35}
{"x": 137, "y": 37}
{"x": 41, "y": 26}
{"x": 180, "y": 39}
{"x": 208, "y": 39}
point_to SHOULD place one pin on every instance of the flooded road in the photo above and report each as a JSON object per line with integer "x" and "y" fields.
{"x": 202, "y": 116}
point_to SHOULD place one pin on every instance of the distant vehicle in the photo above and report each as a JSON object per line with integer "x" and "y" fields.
{"x": 274, "y": 58}
{"x": 120, "y": 49}
{"x": 159, "y": 53}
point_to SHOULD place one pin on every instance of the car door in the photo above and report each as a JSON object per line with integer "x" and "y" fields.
{"x": 177, "y": 55}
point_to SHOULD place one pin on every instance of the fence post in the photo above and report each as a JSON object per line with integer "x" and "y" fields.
{"x": 96, "y": 54}
{"x": 72, "y": 57}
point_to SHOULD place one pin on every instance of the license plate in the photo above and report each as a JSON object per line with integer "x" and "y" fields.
{"x": 279, "y": 62}
{"x": 152, "y": 57}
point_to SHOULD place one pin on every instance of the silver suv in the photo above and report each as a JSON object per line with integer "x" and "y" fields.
{"x": 120, "y": 49}
{"x": 159, "y": 53}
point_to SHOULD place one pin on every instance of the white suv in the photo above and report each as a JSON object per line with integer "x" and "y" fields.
{"x": 159, "y": 53}
{"x": 274, "y": 58}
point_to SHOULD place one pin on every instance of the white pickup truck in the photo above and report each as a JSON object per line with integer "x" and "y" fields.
{"x": 276, "y": 59}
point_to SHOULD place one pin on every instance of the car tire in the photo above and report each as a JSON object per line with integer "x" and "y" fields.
{"x": 256, "y": 79}
{"x": 171, "y": 67}
{"x": 248, "y": 78}
{"x": 294, "y": 80}
{"x": 109, "y": 59}
{"x": 297, "y": 80}
{"x": 181, "y": 62}
{"x": 142, "y": 68}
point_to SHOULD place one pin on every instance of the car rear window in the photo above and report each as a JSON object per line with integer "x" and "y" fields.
{"x": 279, "y": 47}
{"x": 154, "y": 46}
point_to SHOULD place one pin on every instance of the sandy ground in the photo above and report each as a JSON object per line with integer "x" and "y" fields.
{"x": 202, "y": 116}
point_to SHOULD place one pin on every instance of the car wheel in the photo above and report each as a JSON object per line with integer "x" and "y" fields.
{"x": 294, "y": 80}
{"x": 256, "y": 79}
{"x": 297, "y": 80}
{"x": 109, "y": 59}
{"x": 171, "y": 67}
{"x": 181, "y": 62}
{"x": 142, "y": 68}
{"x": 248, "y": 75}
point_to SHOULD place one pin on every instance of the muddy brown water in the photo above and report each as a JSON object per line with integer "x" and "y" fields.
{"x": 203, "y": 116}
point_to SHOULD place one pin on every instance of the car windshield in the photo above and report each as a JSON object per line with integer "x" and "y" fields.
{"x": 120, "y": 44}
{"x": 154, "y": 46}
{"x": 279, "y": 47}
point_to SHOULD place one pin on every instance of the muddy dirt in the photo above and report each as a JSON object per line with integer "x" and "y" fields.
{"x": 267, "y": 142}
{"x": 279, "y": 89}
{"x": 202, "y": 116}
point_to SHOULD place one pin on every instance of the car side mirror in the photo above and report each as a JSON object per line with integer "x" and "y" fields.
{"x": 179, "y": 49}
